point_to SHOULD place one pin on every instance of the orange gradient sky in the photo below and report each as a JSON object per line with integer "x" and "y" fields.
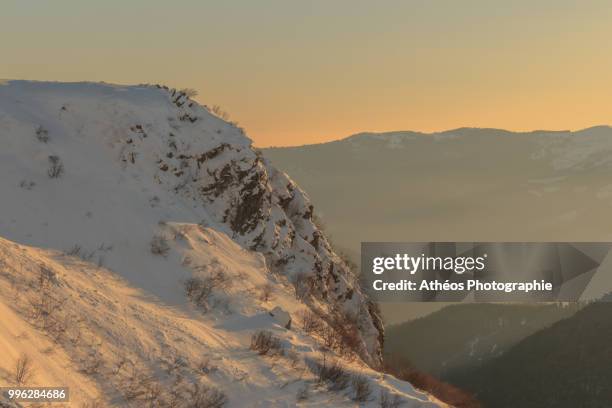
{"x": 295, "y": 72}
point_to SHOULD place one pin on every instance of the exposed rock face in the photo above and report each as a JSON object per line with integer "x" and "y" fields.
{"x": 267, "y": 212}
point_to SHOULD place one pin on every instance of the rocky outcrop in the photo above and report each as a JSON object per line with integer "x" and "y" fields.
{"x": 267, "y": 212}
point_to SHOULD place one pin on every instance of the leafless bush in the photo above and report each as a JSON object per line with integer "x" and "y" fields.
{"x": 341, "y": 332}
{"x": 332, "y": 374}
{"x": 123, "y": 361}
{"x": 78, "y": 251}
{"x": 348, "y": 337}
{"x": 311, "y": 323}
{"x": 265, "y": 343}
{"x": 350, "y": 341}
{"x": 93, "y": 363}
{"x": 331, "y": 338}
{"x": 303, "y": 285}
{"x": 56, "y": 167}
{"x": 105, "y": 247}
{"x": 24, "y": 369}
{"x": 27, "y": 185}
{"x": 176, "y": 363}
{"x": 159, "y": 245}
{"x": 199, "y": 290}
{"x": 203, "y": 396}
{"x": 136, "y": 384}
{"x": 153, "y": 394}
{"x": 190, "y": 92}
{"x": 217, "y": 110}
{"x": 48, "y": 307}
{"x": 362, "y": 391}
{"x": 176, "y": 392}
{"x": 42, "y": 134}
{"x": 265, "y": 292}
{"x": 46, "y": 277}
{"x": 75, "y": 250}
{"x": 388, "y": 400}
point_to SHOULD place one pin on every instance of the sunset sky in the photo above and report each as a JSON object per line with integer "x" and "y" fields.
{"x": 298, "y": 72}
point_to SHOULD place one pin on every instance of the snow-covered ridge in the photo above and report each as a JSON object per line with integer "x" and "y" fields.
{"x": 100, "y": 171}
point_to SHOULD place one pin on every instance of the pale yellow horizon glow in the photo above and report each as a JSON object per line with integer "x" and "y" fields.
{"x": 295, "y": 73}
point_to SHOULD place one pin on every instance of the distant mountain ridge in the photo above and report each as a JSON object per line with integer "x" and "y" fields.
{"x": 451, "y": 132}
{"x": 460, "y": 185}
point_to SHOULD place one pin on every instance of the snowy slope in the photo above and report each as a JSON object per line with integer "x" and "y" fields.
{"x": 131, "y": 191}
{"x": 116, "y": 333}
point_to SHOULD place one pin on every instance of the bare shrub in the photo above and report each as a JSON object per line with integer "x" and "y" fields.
{"x": 332, "y": 374}
{"x": 136, "y": 384}
{"x": 24, "y": 370}
{"x": 123, "y": 361}
{"x": 105, "y": 247}
{"x": 190, "y": 92}
{"x": 27, "y": 185}
{"x": 48, "y": 307}
{"x": 203, "y": 396}
{"x": 75, "y": 250}
{"x": 46, "y": 277}
{"x": 362, "y": 391}
{"x": 388, "y": 400}
{"x": 303, "y": 285}
{"x": 153, "y": 393}
{"x": 176, "y": 393}
{"x": 93, "y": 363}
{"x": 78, "y": 251}
{"x": 56, "y": 167}
{"x": 340, "y": 333}
{"x": 331, "y": 338}
{"x": 265, "y": 343}
{"x": 199, "y": 290}
{"x": 265, "y": 292}
{"x": 311, "y": 323}
{"x": 177, "y": 363}
{"x": 159, "y": 245}
{"x": 218, "y": 111}
{"x": 348, "y": 340}
{"x": 42, "y": 134}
